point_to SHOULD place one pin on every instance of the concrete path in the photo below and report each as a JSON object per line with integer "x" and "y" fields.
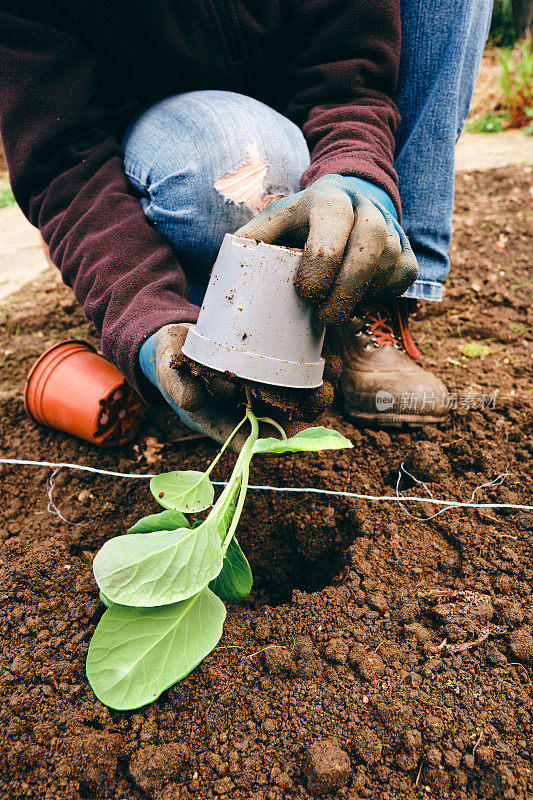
{"x": 492, "y": 150}
{"x": 21, "y": 254}
{"x": 22, "y": 259}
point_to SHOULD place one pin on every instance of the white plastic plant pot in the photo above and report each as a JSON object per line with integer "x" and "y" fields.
{"x": 252, "y": 323}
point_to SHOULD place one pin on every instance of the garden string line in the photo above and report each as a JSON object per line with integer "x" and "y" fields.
{"x": 51, "y": 507}
{"x": 497, "y": 481}
{"x": 397, "y": 498}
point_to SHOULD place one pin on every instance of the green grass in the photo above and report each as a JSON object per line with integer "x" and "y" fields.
{"x": 6, "y": 196}
{"x": 520, "y": 330}
{"x": 488, "y": 123}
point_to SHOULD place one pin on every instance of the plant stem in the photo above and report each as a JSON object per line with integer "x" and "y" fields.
{"x": 245, "y": 453}
{"x": 219, "y": 509}
{"x": 238, "y": 509}
{"x": 274, "y": 424}
{"x": 225, "y": 500}
{"x": 243, "y": 469}
{"x": 239, "y": 475}
{"x": 226, "y": 444}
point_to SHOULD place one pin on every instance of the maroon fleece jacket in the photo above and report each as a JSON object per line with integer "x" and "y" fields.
{"x": 73, "y": 73}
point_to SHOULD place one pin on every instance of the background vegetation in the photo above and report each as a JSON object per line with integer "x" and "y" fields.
{"x": 511, "y": 20}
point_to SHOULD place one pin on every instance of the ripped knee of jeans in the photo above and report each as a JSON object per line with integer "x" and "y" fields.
{"x": 246, "y": 184}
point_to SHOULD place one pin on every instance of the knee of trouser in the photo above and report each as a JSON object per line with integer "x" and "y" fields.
{"x": 211, "y": 147}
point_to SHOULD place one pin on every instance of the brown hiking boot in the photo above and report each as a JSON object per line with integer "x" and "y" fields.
{"x": 381, "y": 381}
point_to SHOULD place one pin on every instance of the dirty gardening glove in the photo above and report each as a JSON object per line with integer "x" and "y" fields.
{"x": 208, "y": 402}
{"x": 163, "y": 363}
{"x": 355, "y": 251}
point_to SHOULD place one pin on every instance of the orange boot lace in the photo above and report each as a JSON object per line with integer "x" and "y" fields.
{"x": 381, "y": 324}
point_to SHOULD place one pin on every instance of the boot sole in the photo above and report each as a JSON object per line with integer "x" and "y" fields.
{"x": 395, "y": 420}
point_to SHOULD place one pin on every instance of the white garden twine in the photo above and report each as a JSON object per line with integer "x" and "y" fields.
{"x": 497, "y": 481}
{"x": 51, "y": 507}
{"x": 397, "y": 498}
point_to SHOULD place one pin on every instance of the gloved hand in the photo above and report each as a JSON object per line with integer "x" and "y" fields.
{"x": 207, "y": 401}
{"x": 162, "y": 363}
{"x": 355, "y": 251}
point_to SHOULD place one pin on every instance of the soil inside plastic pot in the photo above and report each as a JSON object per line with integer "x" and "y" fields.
{"x": 341, "y": 638}
{"x": 288, "y": 405}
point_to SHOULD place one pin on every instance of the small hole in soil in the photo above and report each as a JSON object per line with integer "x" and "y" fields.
{"x": 86, "y": 792}
{"x": 291, "y": 550}
{"x": 97, "y": 726}
{"x": 298, "y": 573}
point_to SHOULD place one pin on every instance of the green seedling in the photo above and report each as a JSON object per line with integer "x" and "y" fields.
{"x": 476, "y": 350}
{"x": 164, "y": 582}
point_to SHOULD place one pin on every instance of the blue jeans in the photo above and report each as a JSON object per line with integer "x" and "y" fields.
{"x": 205, "y": 162}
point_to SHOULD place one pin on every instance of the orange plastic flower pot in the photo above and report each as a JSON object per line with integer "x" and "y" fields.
{"x": 74, "y": 389}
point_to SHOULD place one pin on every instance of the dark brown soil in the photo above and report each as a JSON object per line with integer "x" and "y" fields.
{"x": 378, "y": 656}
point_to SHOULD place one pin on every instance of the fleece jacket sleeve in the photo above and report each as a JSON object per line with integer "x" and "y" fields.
{"x": 344, "y": 75}
{"x": 67, "y": 174}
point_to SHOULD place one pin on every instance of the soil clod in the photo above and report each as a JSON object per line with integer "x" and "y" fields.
{"x": 328, "y": 767}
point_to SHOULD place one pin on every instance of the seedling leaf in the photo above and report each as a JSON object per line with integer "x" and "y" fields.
{"x": 187, "y": 491}
{"x": 164, "y": 615}
{"x": 164, "y": 521}
{"x": 158, "y": 568}
{"x": 105, "y": 600}
{"x": 235, "y": 579}
{"x": 225, "y": 517}
{"x": 310, "y": 439}
{"x": 137, "y": 653}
